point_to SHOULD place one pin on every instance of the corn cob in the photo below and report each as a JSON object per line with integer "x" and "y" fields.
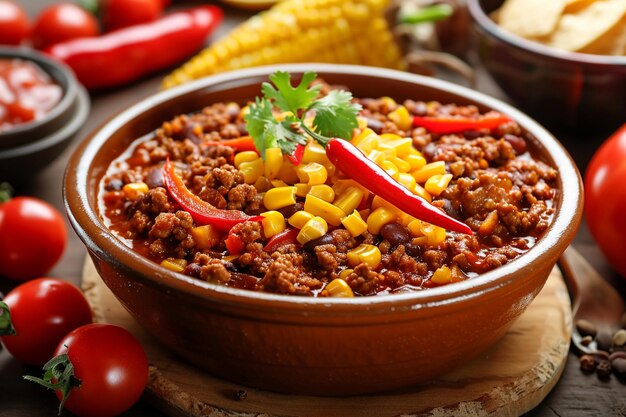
{"x": 334, "y": 31}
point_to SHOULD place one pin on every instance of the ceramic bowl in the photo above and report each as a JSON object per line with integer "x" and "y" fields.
{"x": 27, "y": 148}
{"x": 311, "y": 345}
{"x": 564, "y": 90}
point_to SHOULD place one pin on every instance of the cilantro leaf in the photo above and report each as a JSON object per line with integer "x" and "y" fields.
{"x": 258, "y": 118}
{"x": 335, "y": 114}
{"x": 288, "y": 98}
{"x": 267, "y": 132}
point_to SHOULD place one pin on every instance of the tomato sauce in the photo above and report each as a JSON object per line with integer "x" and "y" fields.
{"x": 27, "y": 93}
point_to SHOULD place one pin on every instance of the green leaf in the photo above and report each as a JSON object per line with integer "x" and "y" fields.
{"x": 6, "y": 326}
{"x": 267, "y": 132}
{"x": 335, "y": 115}
{"x": 288, "y": 98}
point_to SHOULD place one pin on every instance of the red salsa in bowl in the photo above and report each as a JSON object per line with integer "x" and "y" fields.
{"x": 312, "y": 227}
{"x": 27, "y": 92}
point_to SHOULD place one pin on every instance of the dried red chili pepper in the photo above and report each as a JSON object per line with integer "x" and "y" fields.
{"x": 127, "y": 54}
{"x": 286, "y": 237}
{"x": 244, "y": 143}
{"x": 459, "y": 124}
{"x": 201, "y": 211}
{"x": 353, "y": 163}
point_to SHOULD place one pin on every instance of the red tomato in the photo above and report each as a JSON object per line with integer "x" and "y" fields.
{"x": 118, "y": 14}
{"x": 112, "y": 368}
{"x": 43, "y": 311}
{"x": 62, "y": 22}
{"x": 32, "y": 238}
{"x": 605, "y": 199}
{"x": 14, "y": 24}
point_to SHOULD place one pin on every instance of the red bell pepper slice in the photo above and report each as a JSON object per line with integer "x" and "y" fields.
{"x": 297, "y": 155}
{"x": 454, "y": 124}
{"x": 201, "y": 211}
{"x": 286, "y": 237}
{"x": 234, "y": 244}
{"x": 352, "y": 162}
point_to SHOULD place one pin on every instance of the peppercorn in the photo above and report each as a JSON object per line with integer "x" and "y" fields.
{"x": 241, "y": 395}
{"x": 586, "y": 341}
{"x": 619, "y": 367}
{"x": 586, "y": 328}
{"x": 587, "y": 363}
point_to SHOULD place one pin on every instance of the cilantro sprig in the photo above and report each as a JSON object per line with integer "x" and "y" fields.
{"x": 335, "y": 114}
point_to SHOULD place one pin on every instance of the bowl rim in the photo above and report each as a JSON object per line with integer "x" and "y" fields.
{"x": 477, "y": 12}
{"x": 44, "y": 63}
{"x": 105, "y": 245}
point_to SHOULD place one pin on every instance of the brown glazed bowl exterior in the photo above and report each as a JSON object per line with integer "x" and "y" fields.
{"x": 305, "y": 345}
{"x": 27, "y": 148}
{"x": 566, "y": 90}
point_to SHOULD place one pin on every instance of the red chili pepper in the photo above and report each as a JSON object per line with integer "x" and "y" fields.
{"x": 296, "y": 156}
{"x": 453, "y": 124}
{"x": 201, "y": 211}
{"x": 244, "y": 143}
{"x": 125, "y": 55}
{"x": 287, "y": 236}
{"x": 234, "y": 244}
{"x": 352, "y": 162}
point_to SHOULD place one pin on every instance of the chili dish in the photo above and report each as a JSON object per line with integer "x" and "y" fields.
{"x": 201, "y": 197}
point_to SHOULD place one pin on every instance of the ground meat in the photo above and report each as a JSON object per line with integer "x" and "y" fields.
{"x": 210, "y": 269}
{"x": 284, "y": 276}
{"x": 364, "y": 281}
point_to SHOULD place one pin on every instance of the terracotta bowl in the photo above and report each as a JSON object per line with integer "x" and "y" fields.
{"x": 35, "y": 144}
{"x": 566, "y": 90}
{"x": 308, "y": 345}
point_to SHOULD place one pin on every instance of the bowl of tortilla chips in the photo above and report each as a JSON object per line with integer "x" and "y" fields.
{"x": 562, "y": 61}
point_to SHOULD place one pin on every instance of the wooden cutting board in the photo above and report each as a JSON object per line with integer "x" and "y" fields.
{"x": 509, "y": 379}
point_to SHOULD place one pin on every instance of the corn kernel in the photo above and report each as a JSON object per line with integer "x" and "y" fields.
{"x": 273, "y": 162}
{"x": 251, "y": 170}
{"x": 434, "y": 234}
{"x": 434, "y": 168}
{"x": 174, "y": 264}
{"x": 437, "y": 183}
{"x": 377, "y": 156}
{"x": 302, "y": 189}
{"x": 344, "y": 274}
{"x": 378, "y": 218}
{"x": 287, "y": 172}
{"x": 402, "y": 165}
{"x": 421, "y": 192}
{"x": 134, "y": 190}
{"x": 402, "y": 146}
{"x": 364, "y": 253}
{"x": 349, "y": 199}
{"x": 329, "y": 212}
{"x": 280, "y": 197}
{"x": 339, "y": 288}
{"x": 354, "y": 224}
{"x": 389, "y": 137}
{"x": 273, "y": 223}
{"x": 442, "y": 275}
{"x": 312, "y": 173}
{"x": 368, "y": 143}
{"x": 246, "y": 156}
{"x": 299, "y": 219}
{"x": 391, "y": 169}
{"x": 415, "y": 161}
{"x": 415, "y": 227}
{"x": 205, "y": 236}
{"x": 313, "y": 229}
{"x": 323, "y": 191}
{"x": 401, "y": 117}
{"x": 388, "y": 101}
{"x": 364, "y": 133}
{"x": 407, "y": 180}
{"x": 314, "y": 152}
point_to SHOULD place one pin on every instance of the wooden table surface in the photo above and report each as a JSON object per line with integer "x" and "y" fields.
{"x": 576, "y": 394}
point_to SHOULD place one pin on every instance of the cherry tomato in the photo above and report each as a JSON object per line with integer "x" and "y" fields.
{"x": 118, "y": 14}
{"x": 62, "y": 22}
{"x": 14, "y": 24}
{"x": 111, "y": 365}
{"x": 43, "y": 311}
{"x": 605, "y": 198}
{"x": 32, "y": 238}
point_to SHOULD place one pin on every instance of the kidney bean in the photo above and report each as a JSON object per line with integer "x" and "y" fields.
{"x": 395, "y": 234}
{"x": 154, "y": 177}
{"x": 327, "y": 239}
{"x": 586, "y": 328}
{"x": 604, "y": 340}
{"x": 619, "y": 367}
{"x": 518, "y": 144}
{"x": 587, "y": 363}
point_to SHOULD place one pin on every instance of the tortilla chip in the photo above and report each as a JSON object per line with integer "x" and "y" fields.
{"x": 576, "y": 31}
{"x": 612, "y": 42}
{"x": 575, "y": 6}
{"x": 531, "y": 18}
